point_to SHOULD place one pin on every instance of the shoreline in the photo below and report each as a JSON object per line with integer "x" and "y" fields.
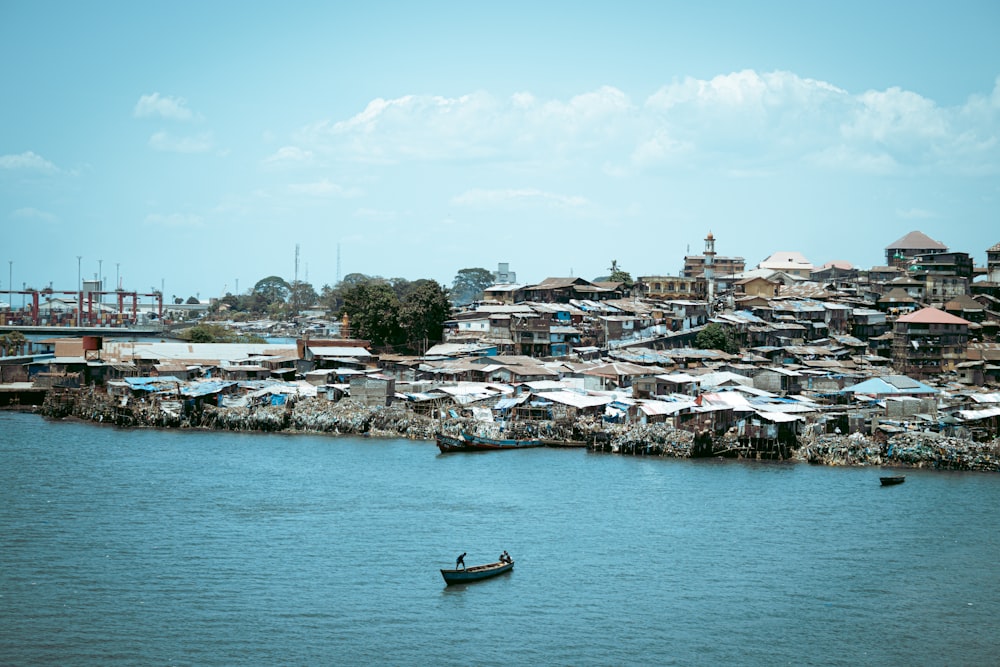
{"x": 910, "y": 450}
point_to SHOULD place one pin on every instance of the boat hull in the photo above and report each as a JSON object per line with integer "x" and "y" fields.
{"x": 474, "y": 443}
{"x": 892, "y": 481}
{"x": 476, "y": 573}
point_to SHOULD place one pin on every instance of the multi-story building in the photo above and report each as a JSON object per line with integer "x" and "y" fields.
{"x": 562, "y": 290}
{"x": 915, "y": 243}
{"x": 672, "y": 287}
{"x": 928, "y": 342}
{"x": 939, "y": 288}
{"x": 725, "y": 268}
{"x": 993, "y": 264}
{"x": 790, "y": 262}
{"x": 943, "y": 263}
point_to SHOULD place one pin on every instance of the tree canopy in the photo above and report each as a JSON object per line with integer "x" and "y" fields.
{"x": 377, "y": 313}
{"x": 301, "y": 295}
{"x": 373, "y": 312}
{"x": 469, "y": 284}
{"x": 617, "y": 275}
{"x": 217, "y": 333}
{"x": 716, "y": 337}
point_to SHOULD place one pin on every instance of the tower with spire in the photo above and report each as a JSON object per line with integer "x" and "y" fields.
{"x": 710, "y": 266}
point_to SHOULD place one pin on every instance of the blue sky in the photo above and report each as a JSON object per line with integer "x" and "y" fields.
{"x": 194, "y": 145}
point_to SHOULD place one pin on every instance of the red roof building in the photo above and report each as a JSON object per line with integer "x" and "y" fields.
{"x": 928, "y": 342}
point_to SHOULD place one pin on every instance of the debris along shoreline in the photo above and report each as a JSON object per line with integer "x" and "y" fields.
{"x": 349, "y": 417}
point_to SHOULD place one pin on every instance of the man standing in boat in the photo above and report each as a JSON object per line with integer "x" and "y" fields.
{"x": 460, "y": 561}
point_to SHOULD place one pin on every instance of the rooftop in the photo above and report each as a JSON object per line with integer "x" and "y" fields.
{"x": 932, "y": 316}
{"x": 916, "y": 241}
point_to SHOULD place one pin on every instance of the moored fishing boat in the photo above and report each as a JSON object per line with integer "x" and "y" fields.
{"x": 476, "y": 572}
{"x": 467, "y": 442}
{"x": 890, "y": 481}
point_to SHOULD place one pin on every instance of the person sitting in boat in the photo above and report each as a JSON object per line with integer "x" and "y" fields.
{"x": 460, "y": 561}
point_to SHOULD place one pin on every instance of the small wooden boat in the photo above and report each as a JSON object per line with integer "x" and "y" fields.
{"x": 889, "y": 481}
{"x": 476, "y": 572}
{"x": 467, "y": 442}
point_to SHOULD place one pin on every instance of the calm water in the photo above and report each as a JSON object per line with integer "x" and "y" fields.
{"x": 188, "y": 548}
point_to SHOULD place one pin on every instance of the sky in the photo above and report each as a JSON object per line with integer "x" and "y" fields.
{"x": 195, "y": 146}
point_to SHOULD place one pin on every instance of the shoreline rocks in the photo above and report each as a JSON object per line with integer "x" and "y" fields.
{"x": 348, "y": 417}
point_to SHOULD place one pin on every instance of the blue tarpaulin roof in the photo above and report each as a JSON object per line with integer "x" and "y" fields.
{"x": 889, "y": 385}
{"x": 205, "y": 388}
{"x": 152, "y": 383}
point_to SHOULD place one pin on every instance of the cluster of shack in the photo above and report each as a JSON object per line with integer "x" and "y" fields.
{"x": 908, "y": 347}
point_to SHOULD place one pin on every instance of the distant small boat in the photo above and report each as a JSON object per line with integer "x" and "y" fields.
{"x": 467, "y": 442}
{"x": 476, "y": 572}
{"x": 889, "y": 481}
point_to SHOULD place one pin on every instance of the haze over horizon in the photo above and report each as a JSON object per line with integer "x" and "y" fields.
{"x": 195, "y": 145}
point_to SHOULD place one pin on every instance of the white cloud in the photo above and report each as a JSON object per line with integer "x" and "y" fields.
{"x": 742, "y": 122}
{"x": 323, "y": 188}
{"x": 33, "y": 215}
{"x": 660, "y": 147}
{"x": 881, "y": 116}
{"x": 163, "y": 141}
{"x": 155, "y": 106}
{"x": 174, "y": 220}
{"x": 290, "y": 156}
{"x": 28, "y": 161}
{"x": 528, "y": 196}
{"x": 851, "y": 158}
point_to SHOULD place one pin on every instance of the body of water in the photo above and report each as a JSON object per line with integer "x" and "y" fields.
{"x": 204, "y": 548}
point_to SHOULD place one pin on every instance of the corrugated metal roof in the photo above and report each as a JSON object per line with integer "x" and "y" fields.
{"x": 337, "y": 351}
{"x": 577, "y": 400}
{"x": 972, "y": 415}
{"x": 658, "y": 408}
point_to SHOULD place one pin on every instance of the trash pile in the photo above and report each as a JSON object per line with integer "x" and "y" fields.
{"x": 647, "y": 439}
{"x": 918, "y": 450}
{"x": 933, "y": 450}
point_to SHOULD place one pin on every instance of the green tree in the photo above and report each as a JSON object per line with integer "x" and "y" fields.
{"x": 716, "y": 337}
{"x": 269, "y": 291}
{"x": 402, "y": 287}
{"x": 423, "y": 313}
{"x": 330, "y": 299}
{"x": 203, "y": 333}
{"x": 619, "y": 275}
{"x": 217, "y": 333}
{"x": 354, "y": 279}
{"x": 301, "y": 295}
{"x": 373, "y": 310}
{"x": 469, "y": 284}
